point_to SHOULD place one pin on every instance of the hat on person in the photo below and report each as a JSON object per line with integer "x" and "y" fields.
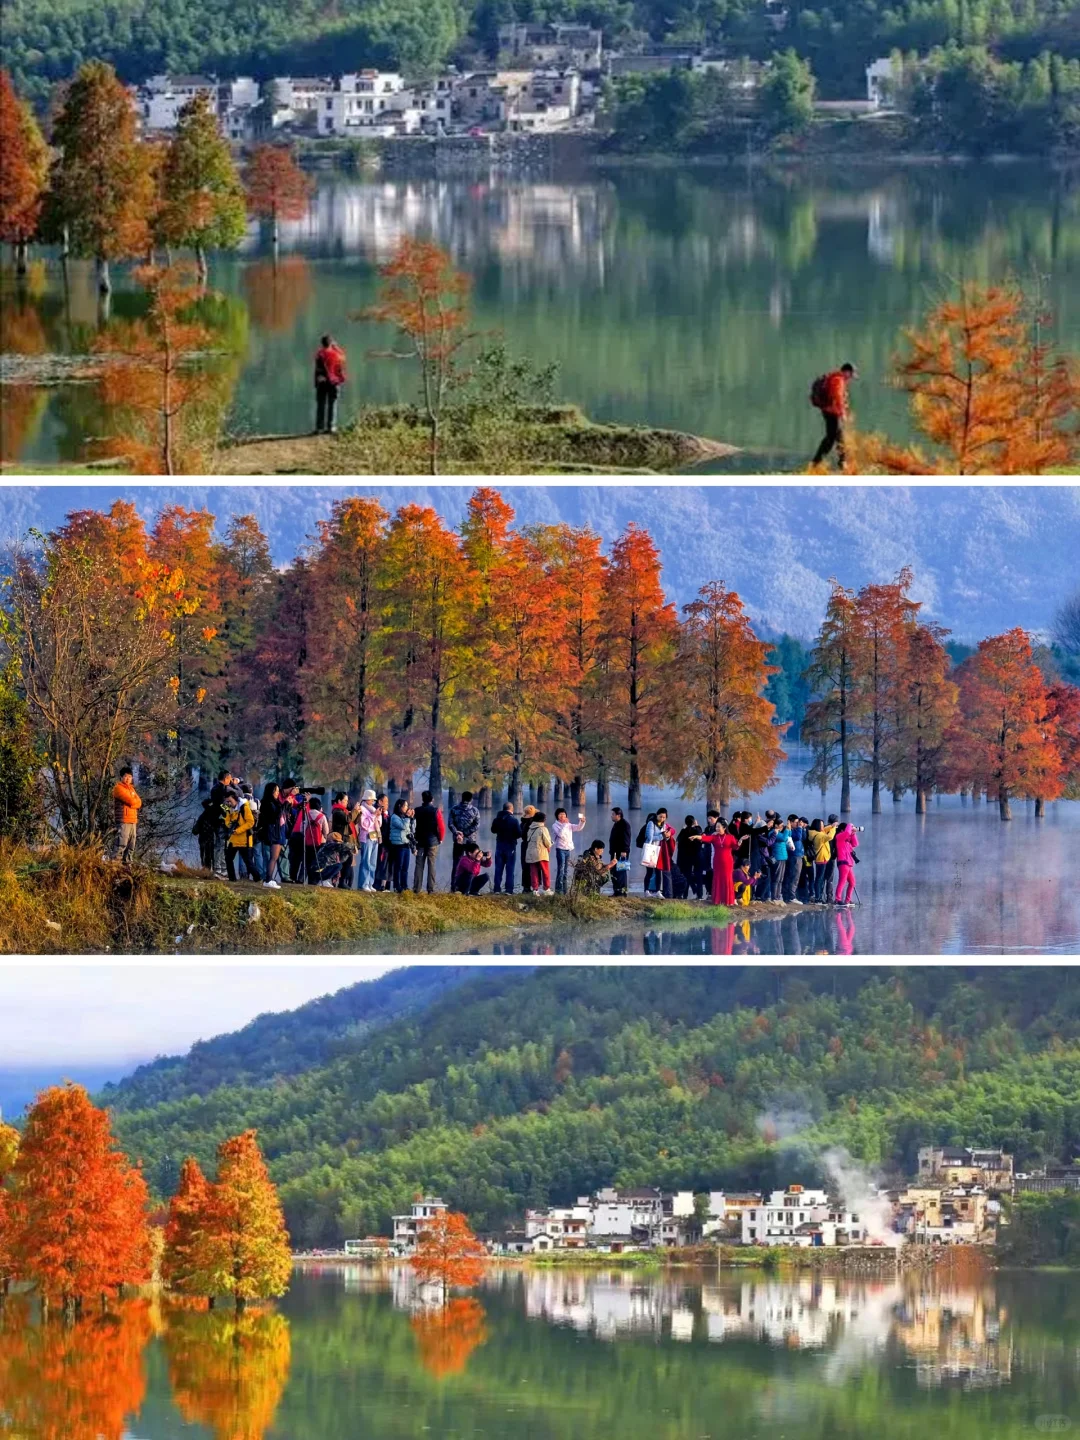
{"x": 368, "y": 795}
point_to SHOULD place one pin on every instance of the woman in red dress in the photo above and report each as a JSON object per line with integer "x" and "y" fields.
{"x": 723, "y": 883}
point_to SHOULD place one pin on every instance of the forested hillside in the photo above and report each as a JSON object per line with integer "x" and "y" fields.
{"x": 274, "y": 1045}
{"x": 45, "y": 40}
{"x": 524, "y": 1087}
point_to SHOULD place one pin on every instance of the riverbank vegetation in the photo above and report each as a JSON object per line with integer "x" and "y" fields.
{"x": 1043, "y": 1229}
{"x": 67, "y": 900}
{"x": 527, "y": 1088}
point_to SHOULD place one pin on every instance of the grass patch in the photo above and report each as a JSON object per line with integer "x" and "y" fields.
{"x": 700, "y": 910}
{"x": 70, "y": 900}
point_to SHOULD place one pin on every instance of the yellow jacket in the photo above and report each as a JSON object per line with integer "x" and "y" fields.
{"x": 538, "y": 846}
{"x": 820, "y": 842}
{"x": 240, "y": 823}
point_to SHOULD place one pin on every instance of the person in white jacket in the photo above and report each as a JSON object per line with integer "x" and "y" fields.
{"x": 562, "y": 832}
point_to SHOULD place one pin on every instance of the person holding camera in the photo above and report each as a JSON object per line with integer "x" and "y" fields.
{"x": 468, "y": 879}
{"x": 563, "y": 831}
{"x": 846, "y": 843}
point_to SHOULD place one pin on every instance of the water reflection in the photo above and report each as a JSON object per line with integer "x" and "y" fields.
{"x": 228, "y": 1371}
{"x": 446, "y": 1335}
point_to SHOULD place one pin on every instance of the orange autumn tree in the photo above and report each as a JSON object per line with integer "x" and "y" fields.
{"x": 78, "y": 1208}
{"x": 885, "y": 614}
{"x": 250, "y": 1256}
{"x": 986, "y": 390}
{"x": 428, "y": 600}
{"x": 187, "y": 1262}
{"x": 84, "y": 1381}
{"x": 1004, "y": 736}
{"x": 1064, "y": 706}
{"x": 577, "y": 568}
{"x": 276, "y": 188}
{"x": 345, "y": 693}
{"x": 24, "y": 170}
{"x": 638, "y": 646}
{"x": 228, "y": 1372}
{"x": 485, "y": 537}
{"x": 157, "y": 392}
{"x": 9, "y": 1149}
{"x": 923, "y": 705}
{"x": 448, "y": 1254}
{"x": 426, "y": 300}
{"x": 447, "y": 1335}
{"x": 727, "y": 724}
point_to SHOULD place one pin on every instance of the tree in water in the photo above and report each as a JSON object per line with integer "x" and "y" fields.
{"x": 835, "y": 665}
{"x": 249, "y": 1245}
{"x": 202, "y": 199}
{"x": 448, "y": 1254}
{"x": 730, "y": 727}
{"x": 24, "y": 171}
{"x": 276, "y": 188}
{"x": 101, "y": 187}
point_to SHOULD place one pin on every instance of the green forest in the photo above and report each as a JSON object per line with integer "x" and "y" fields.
{"x": 522, "y": 1087}
{"x": 46, "y": 40}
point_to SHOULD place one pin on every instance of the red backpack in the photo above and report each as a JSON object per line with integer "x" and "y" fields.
{"x": 440, "y": 825}
{"x": 819, "y": 392}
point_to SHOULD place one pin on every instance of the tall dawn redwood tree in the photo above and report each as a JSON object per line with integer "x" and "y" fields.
{"x": 448, "y": 1254}
{"x": 834, "y": 669}
{"x": 202, "y": 200}
{"x": 886, "y": 614}
{"x": 733, "y": 740}
{"x": 277, "y": 189}
{"x": 78, "y": 1208}
{"x": 188, "y": 1257}
{"x": 249, "y": 1245}
{"x": 24, "y": 169}
{"x": 101, "y": 187}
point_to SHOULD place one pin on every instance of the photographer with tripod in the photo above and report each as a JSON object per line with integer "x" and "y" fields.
{"x": 310, "y": 829}
{"x": 845, "y": 844}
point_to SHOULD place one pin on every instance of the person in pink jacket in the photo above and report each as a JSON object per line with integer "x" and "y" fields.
{"x": 846, "y": 843}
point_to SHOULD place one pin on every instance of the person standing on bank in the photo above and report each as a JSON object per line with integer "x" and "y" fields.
{"x": 126, "y": 807}
{"x": 829, "y": 394}
{"x": 429, "y": 831}
{"x": 563, "y": 832}
{"x": 329, "y": 378}
{"x": 619, "y": 850}
{"x": 723, "y": 845}
{"x": 506, "y": 828}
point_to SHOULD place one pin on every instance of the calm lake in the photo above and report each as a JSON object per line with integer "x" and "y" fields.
{"x": 562, "y": 1355}
{"x": 702, "y": 299}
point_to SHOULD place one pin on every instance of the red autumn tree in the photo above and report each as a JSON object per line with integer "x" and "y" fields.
{"x": 447, "y": 1335}
{"x": 78, "y": 1208}
{"x": 428, "y": 598}
{"x": 346, "y": 692}
{"x": 426, "y": 300}
{"x": 9, "y": 1149}
{"x": 529, "y": 663}
{"x": 245, "y": 576}
{"x": 277, "y": 189}
{"x": 1064, "y": 707}
{"x": 24, "y": 169}
{"x": 884, "y": 615}
{"x": 249, "y": 1253}
{"x": 577, "y": 568}
{"x": 485, "y": 537}
{"x": 448, "y": 1254}
{"x": 188, "y": 1258}
{"x": 727, "y": 726}
{"x": 835, "y": 666}
{"x": 1004, "y": 737}
{"x": 639, "y": 642}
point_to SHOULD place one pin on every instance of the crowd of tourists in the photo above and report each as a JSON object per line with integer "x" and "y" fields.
{"x": 286, "y": 835}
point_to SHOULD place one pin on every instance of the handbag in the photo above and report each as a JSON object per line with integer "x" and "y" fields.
{"x": 622, "y": 866}
{"x": 650, "y": 854}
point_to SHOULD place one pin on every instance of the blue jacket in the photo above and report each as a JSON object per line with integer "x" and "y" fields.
{"x": 465, "y": 819}
{"x": 783, "y": 844}
{"x": 400, "y": 829}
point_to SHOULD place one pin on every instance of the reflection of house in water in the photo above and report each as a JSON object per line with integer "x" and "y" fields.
{"x": 810, "y": 1313}
{"x": 956, "y": 1337}
{"x": 605, "y": 1306}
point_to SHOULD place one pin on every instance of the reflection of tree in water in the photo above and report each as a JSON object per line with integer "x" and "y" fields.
{"x": 72, "y": 1382}
{"x": 21, "y": 333}
{"x": 277, "y": 295}
{"x": 228, "y": 1371}
{"x": 447, "y": 1336}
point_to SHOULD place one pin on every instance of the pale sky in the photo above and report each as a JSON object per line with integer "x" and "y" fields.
{"x": 79, "y": 1015}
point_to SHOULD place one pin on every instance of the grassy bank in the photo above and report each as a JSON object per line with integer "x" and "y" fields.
{"x": 71, "y": 901}
{"x": 392, "y": 440}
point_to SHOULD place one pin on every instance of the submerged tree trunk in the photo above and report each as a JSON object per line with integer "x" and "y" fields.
{"x": 920, "y": 801}
{"x": 603, "y": 787}
{"x": 633, "y": 789}
{"x": 483, "y": 798}
{"x": 513, "y": 793}
{"x": 897, "y": 794}
{"x": 577, "y": 791}
{"x": 202, "y": 269}
{"x": 540, "y": 791}
{"x": 21, "y": 249}
{"x": 1040, "y": 808}
{"x": 556, "y": 791}
{"x": 1004, "y": 808}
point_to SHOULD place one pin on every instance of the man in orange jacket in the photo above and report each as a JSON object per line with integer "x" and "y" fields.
{"x": 830, "y": 395}
{"x": 126, "y": 807}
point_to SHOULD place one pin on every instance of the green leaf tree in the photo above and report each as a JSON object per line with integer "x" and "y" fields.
{"x": 202, "y": 200}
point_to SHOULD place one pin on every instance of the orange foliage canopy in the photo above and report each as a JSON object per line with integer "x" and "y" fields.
{"x": 78, "y": 1208}
{"x": 448, "y": 1253}
{"x": 23, "y": 167}
{"x": 276, "y": 186}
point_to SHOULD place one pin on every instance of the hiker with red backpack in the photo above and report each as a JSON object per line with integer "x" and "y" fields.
{"x": 329, "y": 378}
{"x": 829, "y": 394}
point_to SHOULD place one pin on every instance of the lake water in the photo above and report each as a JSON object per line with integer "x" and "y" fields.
{"x": 703, "y": 299}
{"x": 566, "y": 1355}
{"x": 954, "y": 881}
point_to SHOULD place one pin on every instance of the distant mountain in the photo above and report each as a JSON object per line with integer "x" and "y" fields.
{"x": 521, "y": 1087}
{"x": 985, "y": 557}
{"x": 276, "y": 1045}
{"x": 20, "y": 1084}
